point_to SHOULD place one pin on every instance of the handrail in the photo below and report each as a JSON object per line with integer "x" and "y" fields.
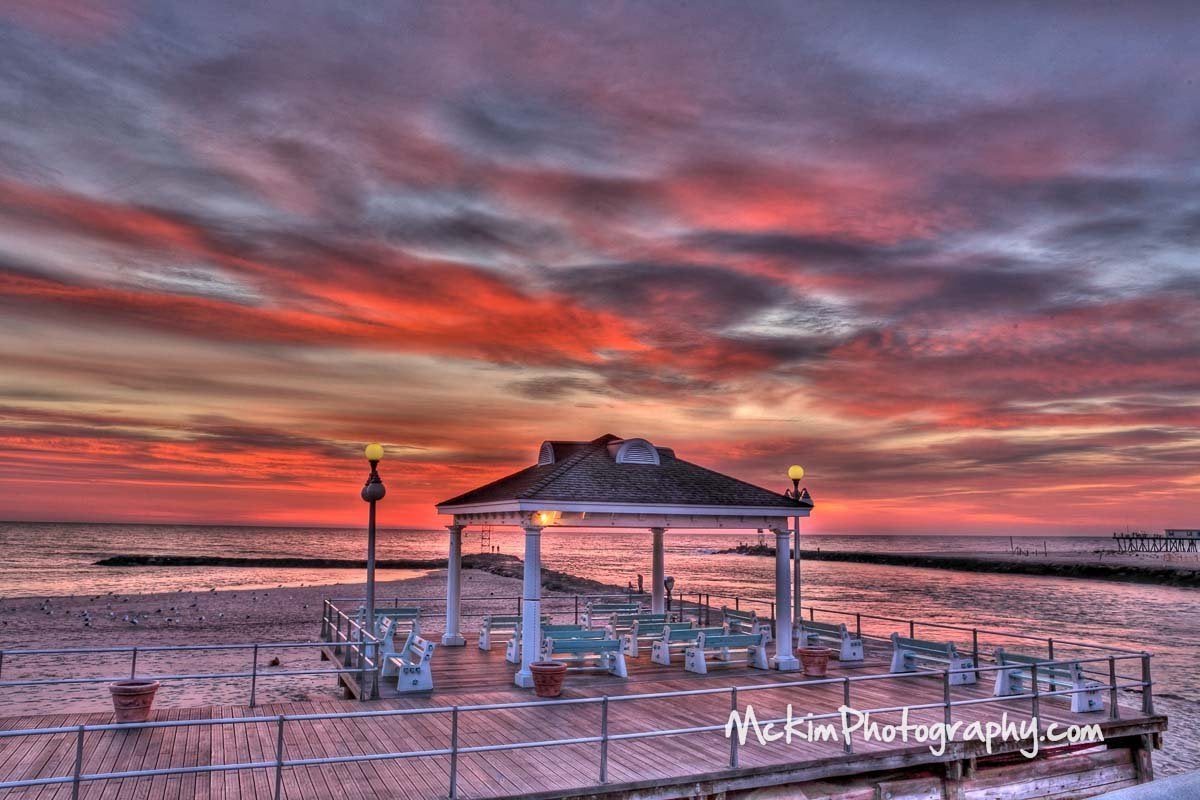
{"x": 454, "y": 749}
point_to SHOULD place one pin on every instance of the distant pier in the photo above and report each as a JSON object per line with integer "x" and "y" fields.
{"x": 1171, "y": 540}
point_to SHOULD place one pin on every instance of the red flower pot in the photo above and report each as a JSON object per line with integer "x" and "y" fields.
{"x": 815, "y": 660}
{"x": 548, "y": 677}
{"x": 132, "y": 699}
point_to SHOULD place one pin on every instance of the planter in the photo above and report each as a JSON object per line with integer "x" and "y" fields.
{"x": 132, "y": 699}
{"x": 548, "y": 677}
{"x": 814, "y": 659}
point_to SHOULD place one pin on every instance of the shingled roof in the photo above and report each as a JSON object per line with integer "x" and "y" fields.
{"x": 590, "y": 472}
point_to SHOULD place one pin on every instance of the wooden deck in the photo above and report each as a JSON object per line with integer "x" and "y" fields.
{"x": 673, "y": 766}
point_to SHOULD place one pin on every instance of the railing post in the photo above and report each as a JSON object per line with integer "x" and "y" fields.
{"x": 733, "y": 739}
{"x": 946, "y": 698}
{"x": 254, "y": 675}
{"x": 975, "y": 645}
{"x": 279, "y": 758}
{"x": 1113, "y": 713}
{"x": 737, "y": 604}
{"x": 1035, "y": 705}
{"x": 576, "y": 609}
{"x": 1050, "y": 648}
{"x": 325, "y": 621}
{"x": 604, "y": 740}
{"x": 78, "y": 763}
{"x": 912, "y": 629}
{"x": 1147, "y": 690}
{"x": 454, "y": 753}
{"x": 858, "y": 625}
{"x": 846, "y": 742}
{"x": 812, "y": 612}
{"x": 133, "y": 665}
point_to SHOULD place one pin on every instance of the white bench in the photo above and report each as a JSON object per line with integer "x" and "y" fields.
{"x": 744, "y": 622}
{"x": 584, "y": 646}
{"x": 1086, "y": 695}
{"x": 695, "y": 658}
{"x": 647, "y": 631}
{"x": 410, "y": 615}
{"x": 814, "y": 634}
{"x": 909, "y": 654}
{"x": 500, "y": 623}
{"x": 676, "y": 640}
{"x": 596, "y": 614}
{"x": 411, "y": 666}
{"x": 512, "y": 649}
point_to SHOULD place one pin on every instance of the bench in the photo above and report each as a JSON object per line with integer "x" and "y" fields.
{"x": 1086, "y": 695}
{"x": 500, "y": 623}
{"x": 814, "y": 634}
{"x": 411, "y": 665}
{"x": 581, "y": 646}
{"x": 621, "y": 624}
{"x": 907, "y": 654}
{"x": 695, "y": 658}
{"x": 512, "y": 650}
{"x": 672, "y": 640}
{"x": 385, "y": 632}
{"x": 648, "y": 631}
{"x": 744, "y": 622}
{"x": 400, "y": 614}
{"x": 598, "y": 613}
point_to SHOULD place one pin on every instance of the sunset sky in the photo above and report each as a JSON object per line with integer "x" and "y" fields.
{"x": 943, "y": 255}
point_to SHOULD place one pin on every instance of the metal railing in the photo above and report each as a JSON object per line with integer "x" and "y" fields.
{"x": 603, "y": 737}
{"x": 356, "y": 656}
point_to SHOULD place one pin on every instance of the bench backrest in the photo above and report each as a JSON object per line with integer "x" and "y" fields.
{"x": 576, "y": 634}
{"x": 560, "y": 628}
{"x": 743, "y": 616}
{"x": 501, "y": 620}
{"x": 625, "y": 620}
{"x": 416, "y": 650}
{"x": 832, "y": 628}
{"x": 619, "y": 608}
{"x": 557, "y": 645}
{"x": 939, "y": 649}
{"x": 1070, "y": 672}
{"x": 689, "y": 634}
{"x": 713, "y": 641}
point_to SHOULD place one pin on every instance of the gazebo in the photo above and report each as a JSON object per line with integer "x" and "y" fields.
{"x": 612, "y": 482}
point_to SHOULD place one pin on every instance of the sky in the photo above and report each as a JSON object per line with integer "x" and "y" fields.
{"x": 945, "y": 256}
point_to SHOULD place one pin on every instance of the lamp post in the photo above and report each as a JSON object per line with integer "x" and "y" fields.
{"x": 372, "y": 492}
{"x": 796, "y": 472}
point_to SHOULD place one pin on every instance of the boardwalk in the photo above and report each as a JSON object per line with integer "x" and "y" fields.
{"x": 467, "y": 676}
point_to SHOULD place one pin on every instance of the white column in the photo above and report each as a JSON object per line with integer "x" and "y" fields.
{"x": 452, "y": 637}
{"x": 657, "y": 575}
{"x": 531, "y": 607}
{"x": 785, "y": 659}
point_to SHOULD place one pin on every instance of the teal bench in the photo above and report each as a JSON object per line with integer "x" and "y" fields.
{"x": 412, "y": 665}
{"x": 595, "y": 614}
{"x": 512, "y": 650}
{"x": 754, "y": 645}
{"x": 836, "y": 635}
{"x": 672, "y": 640}
{"x": 648, "y": 632}
{"x": 410, "y": 615}
{"x": 585, "y": 646}
{"x": 1057, "y": 676}
{"x": 744, "y": 622}
{"x": 908, "y": 655}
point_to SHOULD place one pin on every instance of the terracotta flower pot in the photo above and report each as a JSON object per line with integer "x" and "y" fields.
{"x": 548, "y": 677}
{"x": 132, "y": 699}
{"x": 815, "y": 660}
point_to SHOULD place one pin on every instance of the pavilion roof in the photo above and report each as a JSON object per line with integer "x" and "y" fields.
{"x": 593, "y": 472}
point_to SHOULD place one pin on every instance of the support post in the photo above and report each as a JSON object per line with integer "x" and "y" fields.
{"x": 453, "y": 637}
{"x": 531, "y": 606}
{"x": 797, "y": 610}
{"x": 785, "y": 659}
{"x": 657, "y": 574}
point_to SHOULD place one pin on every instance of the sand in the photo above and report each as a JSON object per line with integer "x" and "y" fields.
{"x": 284, "y": 614}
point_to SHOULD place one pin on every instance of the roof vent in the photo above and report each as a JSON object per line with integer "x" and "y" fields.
{"x": 636, "y": 451}
{"x": 546, "y": 454}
